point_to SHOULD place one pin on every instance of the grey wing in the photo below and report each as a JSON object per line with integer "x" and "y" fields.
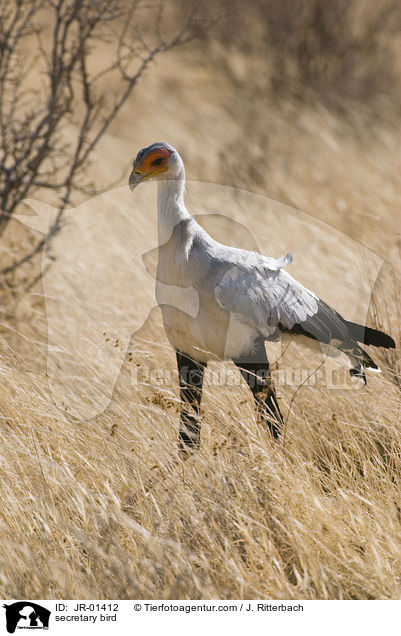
{"x": 263, "y": 295}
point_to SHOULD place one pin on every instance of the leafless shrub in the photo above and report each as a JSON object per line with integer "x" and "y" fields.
{"x": 71, "y": 87}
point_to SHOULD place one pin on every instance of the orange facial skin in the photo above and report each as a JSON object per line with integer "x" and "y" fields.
{"x": 154, "y": 162}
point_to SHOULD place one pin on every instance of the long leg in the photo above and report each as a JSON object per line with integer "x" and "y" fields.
{"x": 191, "y": 380}
{"x": 255, "y": 370}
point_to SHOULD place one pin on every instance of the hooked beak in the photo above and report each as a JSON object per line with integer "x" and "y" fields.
{"x": 138, "y": 175}
{"x": 135, "y": 179}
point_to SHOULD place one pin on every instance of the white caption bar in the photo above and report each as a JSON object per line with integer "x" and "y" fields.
{"x": 215, "y": 616}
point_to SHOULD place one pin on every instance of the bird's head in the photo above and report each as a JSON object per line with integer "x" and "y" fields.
{"x": 157, "y": 161}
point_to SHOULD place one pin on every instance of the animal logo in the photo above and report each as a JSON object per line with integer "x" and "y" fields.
{"x": 26, "y": 615}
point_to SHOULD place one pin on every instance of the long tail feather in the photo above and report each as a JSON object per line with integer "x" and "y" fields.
{"x": 357, "y": 355}
{"x": 370, "y": 336}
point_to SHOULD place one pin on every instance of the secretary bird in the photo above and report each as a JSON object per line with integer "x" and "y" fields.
{"x": 240, "y": 299}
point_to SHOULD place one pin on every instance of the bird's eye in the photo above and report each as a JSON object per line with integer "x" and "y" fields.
{"x": 157, "y": 162}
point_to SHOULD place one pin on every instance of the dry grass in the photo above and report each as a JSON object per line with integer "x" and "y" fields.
{"x": 102, "y": 507}
{"x": 106, "y": 509}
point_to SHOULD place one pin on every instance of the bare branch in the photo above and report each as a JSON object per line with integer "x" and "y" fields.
{"x": 34, "y": 150}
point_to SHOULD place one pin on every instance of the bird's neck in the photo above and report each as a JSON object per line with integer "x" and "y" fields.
{"x": 170, "y": 206}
